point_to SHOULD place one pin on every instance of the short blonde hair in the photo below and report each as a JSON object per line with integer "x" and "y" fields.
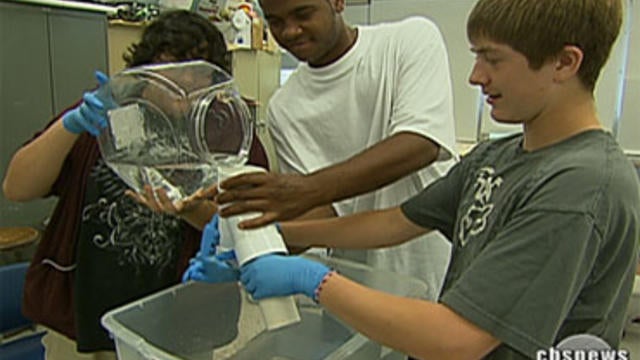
{"x": 539, "y": 29}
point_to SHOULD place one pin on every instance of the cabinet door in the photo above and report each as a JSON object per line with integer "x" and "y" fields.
{"x": 78, "y": 48}
{"x": 257, "y": 75}
{"x": 120, "y": 37}
{"x": 25, "y": 96}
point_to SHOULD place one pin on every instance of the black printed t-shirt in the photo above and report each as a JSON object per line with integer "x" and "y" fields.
{"x": 124, "y": 252}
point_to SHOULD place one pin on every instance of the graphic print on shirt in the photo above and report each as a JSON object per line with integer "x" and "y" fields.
{"x": 474, "y": 220}
{"x": 140, "y": 236}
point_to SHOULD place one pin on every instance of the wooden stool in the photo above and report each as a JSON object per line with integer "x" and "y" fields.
{"x": 13, "y": 237}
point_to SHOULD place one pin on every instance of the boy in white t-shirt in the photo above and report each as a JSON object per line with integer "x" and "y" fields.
{"x": 365, "y": 122}
{"x": 544, "y": 224}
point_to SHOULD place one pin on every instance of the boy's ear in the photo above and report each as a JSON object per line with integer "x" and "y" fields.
{"x": 338, "y": 5}
{"x": 568, "y": 63}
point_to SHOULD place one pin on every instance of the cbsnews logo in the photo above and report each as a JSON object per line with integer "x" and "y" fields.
{"x": 582, "y": 347}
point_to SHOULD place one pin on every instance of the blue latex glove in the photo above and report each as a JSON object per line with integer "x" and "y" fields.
{"x": 213, "y": 269}
{"x": 90, "y": 115}
{"x": 208, "y": 266}
{"x": 277, "y": 275}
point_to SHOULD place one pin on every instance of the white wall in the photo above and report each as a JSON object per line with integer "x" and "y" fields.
{"x": 357, "y": 14}
{"x": 629, "y": 130}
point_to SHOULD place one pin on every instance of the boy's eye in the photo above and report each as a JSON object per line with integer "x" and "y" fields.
{"x": 304, "y": 14}
{"x": 491, "y": 60}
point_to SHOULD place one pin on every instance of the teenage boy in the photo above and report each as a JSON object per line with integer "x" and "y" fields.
{"x": 365, "y": 122}
{"x": 544, "y": 224}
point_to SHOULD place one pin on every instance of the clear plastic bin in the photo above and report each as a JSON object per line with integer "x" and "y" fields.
{"x": 199, "y": 321}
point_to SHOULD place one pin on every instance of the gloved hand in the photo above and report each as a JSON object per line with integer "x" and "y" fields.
{"x": 208, "y": 266}
{"x": 277, "y": 275}
{"x": 90, "y": 115}
{"x": 213, "y": 269}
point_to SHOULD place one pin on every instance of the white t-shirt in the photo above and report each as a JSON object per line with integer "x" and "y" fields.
{"x": 394, "y": 79}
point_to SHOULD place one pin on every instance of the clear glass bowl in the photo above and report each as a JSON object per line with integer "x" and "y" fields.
{"x": 172, "y": 125}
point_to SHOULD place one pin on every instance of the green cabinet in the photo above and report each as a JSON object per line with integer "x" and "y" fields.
{"x": 48, "y": 59}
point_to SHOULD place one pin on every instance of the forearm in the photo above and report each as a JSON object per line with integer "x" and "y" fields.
{"x": 422, "y": 329}
{"x": 320, "y": 212}
{"x": 379, "y": 165}
{"x": 200, "y": 214}
{"x": 361, "y": 231}
{"x": 36, "y": 166}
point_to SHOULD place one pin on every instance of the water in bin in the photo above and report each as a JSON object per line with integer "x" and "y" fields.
{"x": 172, "y": 125}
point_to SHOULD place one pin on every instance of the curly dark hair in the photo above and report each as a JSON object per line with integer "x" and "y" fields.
{"x": 180, "y": 35}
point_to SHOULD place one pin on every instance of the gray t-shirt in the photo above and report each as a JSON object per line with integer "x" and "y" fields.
{"x": 544, "y": 243}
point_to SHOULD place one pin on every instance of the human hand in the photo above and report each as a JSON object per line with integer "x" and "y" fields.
{"x": 208, "y": 266}
{"x": 158, "y": 200}
{"x": 213, "y": 269}
{"x": 277, "y": 275}
{"x": 90, "y": 115}
{"x": 277, "y": 196}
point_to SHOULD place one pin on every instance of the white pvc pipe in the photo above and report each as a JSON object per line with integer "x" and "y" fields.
{"x": 250, "y": 244}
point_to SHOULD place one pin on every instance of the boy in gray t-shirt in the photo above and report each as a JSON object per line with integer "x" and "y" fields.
{"x": 544, "y": 225}
{"x": 543, "y": 240}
